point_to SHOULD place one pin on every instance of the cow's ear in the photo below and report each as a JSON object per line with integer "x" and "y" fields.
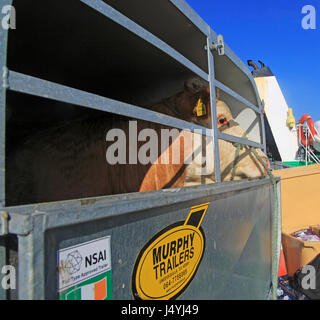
{"x": 195, "y": 85}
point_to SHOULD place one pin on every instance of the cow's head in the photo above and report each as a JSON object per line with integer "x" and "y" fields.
{"x": 196, "y": 106}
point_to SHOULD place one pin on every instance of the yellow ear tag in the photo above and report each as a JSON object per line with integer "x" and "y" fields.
{"x": 201, "y": 108}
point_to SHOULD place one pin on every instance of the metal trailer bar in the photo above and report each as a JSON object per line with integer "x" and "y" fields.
{"x": 216, "y": 151}
{"x": 45, "y": 216}
{"x": 30, "y": 85}
{"x": 31, "y": 255}
{"x": 122, "y": 20}
{"x": 3, "y": 86}
{"x": 235, "y": 139}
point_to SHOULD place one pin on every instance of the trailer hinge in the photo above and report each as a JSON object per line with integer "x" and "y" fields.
{"x": 5, "y": 77}
{"x": 4, "y": 223}
{"x": 219, "y": 45}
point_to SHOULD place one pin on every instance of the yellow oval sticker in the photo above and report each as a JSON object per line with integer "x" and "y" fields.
{"x": 169, "y": 261}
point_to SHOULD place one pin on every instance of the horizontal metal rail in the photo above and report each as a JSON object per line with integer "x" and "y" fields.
{"x": 62, "y": 213}
{"x": 234, "y": 139}
{"x": 127, "y": 23}
{"x": 42, "y": 88}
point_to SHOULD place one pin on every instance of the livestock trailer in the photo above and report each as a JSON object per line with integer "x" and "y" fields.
{"x": 63, "y": 60}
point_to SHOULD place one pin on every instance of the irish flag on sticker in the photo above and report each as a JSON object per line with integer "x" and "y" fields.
{"x": 91, "y": 291}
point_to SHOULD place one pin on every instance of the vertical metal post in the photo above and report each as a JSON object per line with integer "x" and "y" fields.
{"x": 213, "y": 109}
{"x": 31, "y": 279}
{"x": 3, "y": 88}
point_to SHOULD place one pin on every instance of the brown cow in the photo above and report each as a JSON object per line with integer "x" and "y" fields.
{"x": 69, "y": 161}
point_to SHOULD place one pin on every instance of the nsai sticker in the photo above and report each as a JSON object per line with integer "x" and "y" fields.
{"x": 169, "y": 261}
{"x": 85, "y": 271}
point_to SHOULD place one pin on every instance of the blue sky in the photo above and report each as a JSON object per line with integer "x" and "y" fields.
{"x": 271, "y": 31}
